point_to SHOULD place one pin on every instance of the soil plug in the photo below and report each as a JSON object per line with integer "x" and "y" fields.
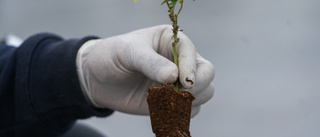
{"x": 170, "y": 111}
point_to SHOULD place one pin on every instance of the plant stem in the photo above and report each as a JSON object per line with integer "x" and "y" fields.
{"x": 175, "y": 30}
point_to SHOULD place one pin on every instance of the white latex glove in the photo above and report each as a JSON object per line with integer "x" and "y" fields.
{"x": 116, "y": 72}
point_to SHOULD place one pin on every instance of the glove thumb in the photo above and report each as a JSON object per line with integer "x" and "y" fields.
{"x": 156, "y": 67}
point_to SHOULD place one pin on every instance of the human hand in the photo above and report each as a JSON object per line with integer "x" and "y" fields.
{"x": 117, "y": 72}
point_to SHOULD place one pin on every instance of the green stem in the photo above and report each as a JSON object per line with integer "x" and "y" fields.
{"x": 175, "y": 56}
{"x": 175, "y": 30}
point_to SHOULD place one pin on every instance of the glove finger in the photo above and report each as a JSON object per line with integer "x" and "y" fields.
{"x": 186, "y": 55}
{"x": 155, "y": 66}
{"x": 187, "y": 61}
{"x": 195, "y": 110}
{"x": 204, "y": 75}
{"x": 204, "y": 96}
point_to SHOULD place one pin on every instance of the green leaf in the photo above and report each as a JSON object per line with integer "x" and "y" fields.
{"x": 163, "y": 2}
{"x": 135, "y": 0}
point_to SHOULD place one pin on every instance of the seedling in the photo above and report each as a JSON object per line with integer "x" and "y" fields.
{"x": 173, "y": 15}
{"x": 169, "y": 108}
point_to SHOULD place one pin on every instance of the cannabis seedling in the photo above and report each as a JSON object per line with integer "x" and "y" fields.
{"x": 174, "y": 19}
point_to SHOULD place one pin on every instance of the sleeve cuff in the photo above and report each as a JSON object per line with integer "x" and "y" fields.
{"x": 47, "y": 82}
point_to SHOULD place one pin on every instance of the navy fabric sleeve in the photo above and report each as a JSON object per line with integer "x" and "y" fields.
{"x": 40, "y": 93}
{"x": 7, "y": 76}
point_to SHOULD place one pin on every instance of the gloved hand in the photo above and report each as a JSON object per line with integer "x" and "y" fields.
{"x": 116, "y": 72}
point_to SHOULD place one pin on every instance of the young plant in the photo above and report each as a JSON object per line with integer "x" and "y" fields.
{"x": 173, "y": 15}
{"x": 169, "y": 108}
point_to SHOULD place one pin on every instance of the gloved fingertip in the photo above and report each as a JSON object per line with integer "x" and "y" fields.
{"x": 167, "y": 74}
{"x": 195, "y": 110}
{"x": 203, "y": 96}
{"x": 188, "y": 80}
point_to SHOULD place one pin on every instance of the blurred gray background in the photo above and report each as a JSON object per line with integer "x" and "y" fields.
{"x": 266, "y": 55}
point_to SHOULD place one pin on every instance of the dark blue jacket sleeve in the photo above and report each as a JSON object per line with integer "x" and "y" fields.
{"x": 40, "y": 93}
